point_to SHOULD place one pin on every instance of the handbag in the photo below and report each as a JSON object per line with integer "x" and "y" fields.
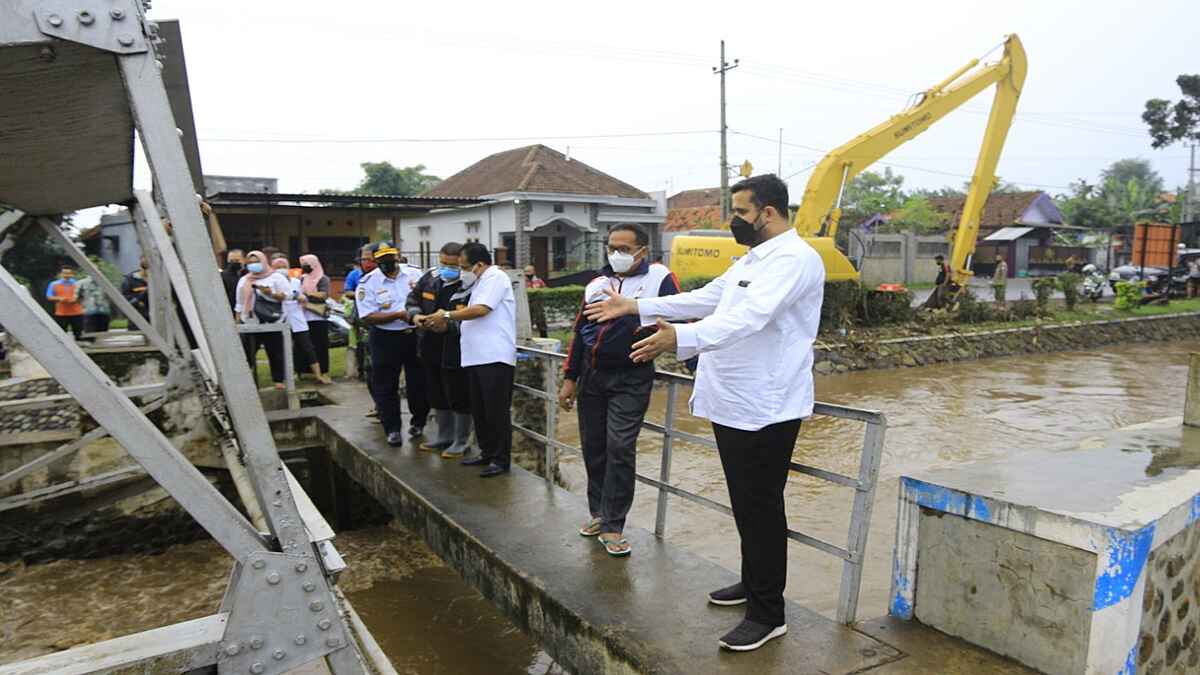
{"x": 267, "y": 311}
{"x": 320, "y": 309}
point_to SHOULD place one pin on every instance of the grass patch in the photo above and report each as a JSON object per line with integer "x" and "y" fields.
{"x": 337, "y": 366}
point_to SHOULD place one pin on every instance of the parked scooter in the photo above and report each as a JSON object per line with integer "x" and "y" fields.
{"x": 1094, "y": 282}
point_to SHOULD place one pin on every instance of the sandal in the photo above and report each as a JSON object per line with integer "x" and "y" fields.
{"x": 591, "y": 529}
{"x": 617, "y": 548}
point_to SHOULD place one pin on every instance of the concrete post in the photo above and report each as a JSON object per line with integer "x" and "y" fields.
{"x": 1191, "y": 404}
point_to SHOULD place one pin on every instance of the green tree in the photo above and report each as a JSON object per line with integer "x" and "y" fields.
{"x": 382, "y": 178}
{"x": 1086, "y": 207}
{"x": 870, "y": 193}
{"x": 916, "y": 215}
{"x": 1175, "y": 122}
{"x": 35, "y": 259}
{"x": 1134, "y": 191}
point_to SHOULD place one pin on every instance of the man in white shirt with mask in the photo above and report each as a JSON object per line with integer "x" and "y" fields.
{"x": 757, "y": 325}
{"x": 613, "y": 390}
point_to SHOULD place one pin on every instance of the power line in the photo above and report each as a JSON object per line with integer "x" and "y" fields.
{"x": 452, "y": 140}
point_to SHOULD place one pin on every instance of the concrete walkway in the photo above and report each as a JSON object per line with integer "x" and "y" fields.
{"x": 514, "y": 538}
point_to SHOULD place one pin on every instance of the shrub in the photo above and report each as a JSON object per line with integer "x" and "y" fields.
{"x": 840, "y": 308}
{"x": 971, "y": 310}
{"x": 1020, "y": 310}
{"x": 1068, "y": 283}
{"x": 880, "y": 308}
{"x": 1129, "y": 295}
{"x": 1043, "y": 290}
{"x": 550, "y": 305}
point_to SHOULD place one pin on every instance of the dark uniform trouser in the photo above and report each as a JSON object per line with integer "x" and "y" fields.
{"x": 457, "y": 390}
{"x": 391, "y": 352}
{"x": 756, "y": 470}
{"x": 491, "y": 387}
{"x": 72, "y": 324}
{"x": 435, "y": 389}
{"x": 612, "y": 405}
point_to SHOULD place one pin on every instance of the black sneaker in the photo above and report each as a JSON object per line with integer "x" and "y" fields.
{"x": 417, "y": 430}
{"x": 492, "y": 470}
{"x": 475, "y": 460}
{"x": 395, "y": 438}
{"x": 730, "y": 595}
{"x": 749, "y": 636}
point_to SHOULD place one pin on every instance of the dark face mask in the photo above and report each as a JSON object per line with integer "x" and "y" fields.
{"x": 388, "y": 266}
{"x": 306, "y": 268}
{"x": 745, "y": 232}
{"x": 235, "y": 266}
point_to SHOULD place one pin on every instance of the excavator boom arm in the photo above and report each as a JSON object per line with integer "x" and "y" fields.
{"x": 819, "y": 210}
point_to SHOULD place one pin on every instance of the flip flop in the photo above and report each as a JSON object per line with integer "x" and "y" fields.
{"x": 617, "y": 548}
{"x": 591, "y": 529}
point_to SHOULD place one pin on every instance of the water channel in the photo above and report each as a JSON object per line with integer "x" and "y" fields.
{"x": 429, "y": 621}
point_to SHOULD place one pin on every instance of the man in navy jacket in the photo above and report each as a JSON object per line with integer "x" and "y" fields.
{"x": 613, "y": 392}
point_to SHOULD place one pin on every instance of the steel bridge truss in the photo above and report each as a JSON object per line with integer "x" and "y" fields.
{"x": 78, "y": 78}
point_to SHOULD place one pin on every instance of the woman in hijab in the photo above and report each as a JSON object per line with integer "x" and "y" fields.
{"x": 315, "y": 286}
{"x": 260, "y": 283}
{"x": 293, "y": 313}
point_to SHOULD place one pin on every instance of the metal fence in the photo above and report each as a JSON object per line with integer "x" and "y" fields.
{"x": 289, "y": 368}
{"x": 863, "y": 485}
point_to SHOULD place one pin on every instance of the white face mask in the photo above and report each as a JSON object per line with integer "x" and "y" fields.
{"x": 621, "y": 262}
{"x": 467, "y": 278}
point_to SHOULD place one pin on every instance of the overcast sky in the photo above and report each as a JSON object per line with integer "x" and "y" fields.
{"x": 479, "y": 78}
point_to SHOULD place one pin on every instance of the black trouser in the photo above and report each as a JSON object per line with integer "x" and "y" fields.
{"x": 273, "y": 343}
{"x": 71, "y": 323}
{"x": 491, "y": 387}
{"x": 457, "y": 389}
{"x": 391, "y": 352}
{"x": 612, "y": 405}
{"x": 95, "y": 323}
{"x": 302, "y": 352}
{"x": 756, "y": 470}
{"x": 431, "y": 360}
{"x": 318, "y": 333}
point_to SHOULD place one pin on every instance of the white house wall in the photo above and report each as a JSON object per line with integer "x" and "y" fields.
{"x": 451, "y": 225}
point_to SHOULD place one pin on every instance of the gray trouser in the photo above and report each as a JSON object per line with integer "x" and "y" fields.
{"x": 612, "y": 404}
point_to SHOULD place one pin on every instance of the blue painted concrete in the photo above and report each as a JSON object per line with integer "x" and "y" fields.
{"x": 1126, "y": 556}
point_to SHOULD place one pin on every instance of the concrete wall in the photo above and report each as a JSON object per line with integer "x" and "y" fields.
{"x": 1008, "y": 591}
{"x": 457, "y": 225}
{"x": 890, "y": 258}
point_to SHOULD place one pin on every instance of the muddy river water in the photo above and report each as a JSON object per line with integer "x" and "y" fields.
{"x": 423, "y": 614}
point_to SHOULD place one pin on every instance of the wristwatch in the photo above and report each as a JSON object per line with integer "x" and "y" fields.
{"x": 446, "y": 314}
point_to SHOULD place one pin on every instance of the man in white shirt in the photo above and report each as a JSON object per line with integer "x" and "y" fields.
{"x": 489, "y": 354}
{"x": 758, "y": 322}
{"x": 380, "y": 298}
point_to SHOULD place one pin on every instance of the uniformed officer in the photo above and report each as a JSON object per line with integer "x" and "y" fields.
{"x": 380, "y": 296}
{"x": 432, "y": 293}
{"x": 757, "y": 326}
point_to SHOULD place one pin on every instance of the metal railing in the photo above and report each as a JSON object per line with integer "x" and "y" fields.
{"x": 864, "y": 484}
{"x": 289, "y": 368}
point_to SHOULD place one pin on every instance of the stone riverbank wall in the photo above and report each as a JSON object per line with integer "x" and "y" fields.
{"x": 909, "y": 352}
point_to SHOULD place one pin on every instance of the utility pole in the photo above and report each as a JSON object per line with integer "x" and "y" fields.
{"x": 722, "y": 69}
{"x": 1189, "y": 199}
{"x": 779, "y": 171}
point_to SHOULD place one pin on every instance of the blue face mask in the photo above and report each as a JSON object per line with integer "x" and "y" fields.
{"x": 448, "y": 273}
{"x": 254, "y": 267}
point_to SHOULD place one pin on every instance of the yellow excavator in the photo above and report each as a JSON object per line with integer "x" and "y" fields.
{"x": 708, "y": 255}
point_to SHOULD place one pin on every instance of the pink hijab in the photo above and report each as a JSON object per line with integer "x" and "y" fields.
{"x": 248, "y": 293}
{"x": 309, "y": 283}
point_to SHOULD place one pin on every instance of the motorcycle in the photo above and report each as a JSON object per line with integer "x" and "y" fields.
{"x": 1094, "y": 282}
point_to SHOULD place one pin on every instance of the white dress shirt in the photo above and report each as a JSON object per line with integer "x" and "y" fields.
{"x": 493, "y": 337}
{"x": 377, "y": 292}
{"x": 758, "y": 323}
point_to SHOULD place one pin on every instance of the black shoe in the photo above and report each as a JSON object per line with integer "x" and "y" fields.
{"x": 417, "y": 430}
{"x": 395, "y": 438}
{"x": 492, "y": 470}
{"x": 475, "y": 461}
{"x": 749, "y": 636}
{"x": 730, "y": 595}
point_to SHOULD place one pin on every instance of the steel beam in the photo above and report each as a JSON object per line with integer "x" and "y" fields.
{"x": 164, "y": 153}
{"x": 113, "y": 293}
{"x": 103, "y": 400}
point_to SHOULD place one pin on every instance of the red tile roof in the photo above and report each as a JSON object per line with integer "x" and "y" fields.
{"x": 1002, "y": 209}
{"x": 693, "y": 198}
{"x": 694, "y": 218}
{"x": 533, "y": 168}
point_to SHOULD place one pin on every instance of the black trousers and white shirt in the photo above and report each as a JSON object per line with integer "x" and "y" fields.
{"x": 757, "y": 325}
